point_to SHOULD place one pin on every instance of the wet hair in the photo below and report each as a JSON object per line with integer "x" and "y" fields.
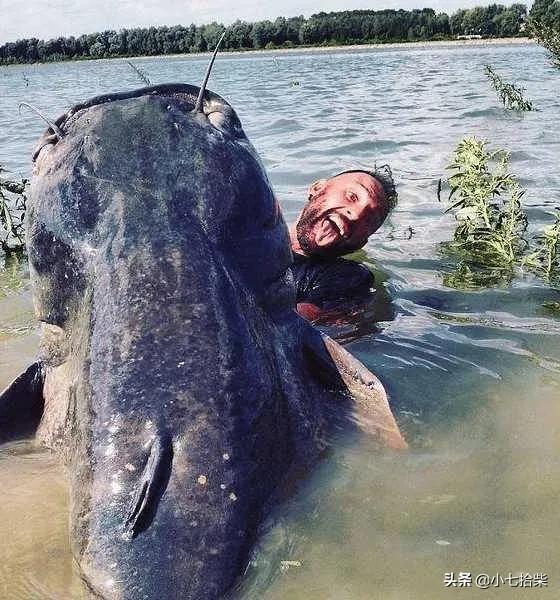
{"x": 384, "y": 175}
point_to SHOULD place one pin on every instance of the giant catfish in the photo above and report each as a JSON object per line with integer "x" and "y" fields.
{"x": 177, "y": 382}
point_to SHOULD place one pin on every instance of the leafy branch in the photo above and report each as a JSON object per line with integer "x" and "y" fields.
{"x": 140, "y": 73}
{"x": 487, "y": 206}
{"x": 490, "y": 239}
{"x": 548, "y": 37}
{"x": 510, "y": 95}
{"x": 13, "y": 201}
{"x": 545, "y": 258}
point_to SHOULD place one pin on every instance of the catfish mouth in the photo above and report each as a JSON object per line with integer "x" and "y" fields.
{"x": 218, "y": 112}
{"x": 184, "y": 94}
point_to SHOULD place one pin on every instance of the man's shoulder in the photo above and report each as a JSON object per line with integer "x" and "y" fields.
{"x": 319, "y": 279}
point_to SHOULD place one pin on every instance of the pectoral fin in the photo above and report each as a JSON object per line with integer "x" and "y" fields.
{"x": 370, "y": 408}
{"x": 21, "y": 404}
{"x": 150, "y": 487}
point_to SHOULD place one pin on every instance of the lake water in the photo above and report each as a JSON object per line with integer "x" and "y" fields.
{"x": 474, "y": 376}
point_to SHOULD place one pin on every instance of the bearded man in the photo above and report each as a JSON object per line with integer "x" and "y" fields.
{"x": 338, "y": 218}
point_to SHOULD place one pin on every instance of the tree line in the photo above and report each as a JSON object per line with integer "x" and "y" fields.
{"x": 334, "y": 28}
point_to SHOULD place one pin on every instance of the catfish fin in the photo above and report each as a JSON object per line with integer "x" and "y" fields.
{"x": 150, "y": 487}
{"x": 370, "y": 409}
{"x": 21, "y": 404}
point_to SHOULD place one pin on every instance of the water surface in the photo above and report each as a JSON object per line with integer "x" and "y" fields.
{"x": 473, "y": 375}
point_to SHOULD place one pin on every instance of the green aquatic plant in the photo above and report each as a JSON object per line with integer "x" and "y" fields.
{"x": 544, "y": 260}
{"x": 13, "y": 274}
{"x": 510, "y": 95}
{"x": 487, "y": 206}
{"x": 12, "y": 213}
{"x": 490, "y": 240}
{"x": 469, "y": 277}
{"x": 547, "y": 36}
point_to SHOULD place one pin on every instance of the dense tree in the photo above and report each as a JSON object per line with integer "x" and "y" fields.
{"x": 261, "y": 33}
{"x": 493, "y": 20}
{"x": 345, "y": 27}
{"x": 238, "y": 35}
{"x": 508, "y": 23}
{"x": 546, "y": 12}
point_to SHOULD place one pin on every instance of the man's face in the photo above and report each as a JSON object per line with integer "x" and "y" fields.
{"x": 341, "y": 214}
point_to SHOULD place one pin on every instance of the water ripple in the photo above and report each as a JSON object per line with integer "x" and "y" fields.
{"x": 464, "y": 369}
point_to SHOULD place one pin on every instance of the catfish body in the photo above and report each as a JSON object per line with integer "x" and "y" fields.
{"x": 179, "y": 385}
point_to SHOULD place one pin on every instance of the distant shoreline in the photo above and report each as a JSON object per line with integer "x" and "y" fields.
{"x": 353, "y": 47}
{"x": 512, "y": 41}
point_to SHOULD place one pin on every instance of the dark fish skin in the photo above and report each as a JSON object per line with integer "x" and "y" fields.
{"x": 180, "y": 387}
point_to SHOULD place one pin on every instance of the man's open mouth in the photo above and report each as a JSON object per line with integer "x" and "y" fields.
{"x": 338, "y": 225}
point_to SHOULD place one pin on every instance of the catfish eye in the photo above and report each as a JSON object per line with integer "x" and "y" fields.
{"x": 49, "y": 140}
{"x": 225, "y": 120}
{"x": 218, "y": 119}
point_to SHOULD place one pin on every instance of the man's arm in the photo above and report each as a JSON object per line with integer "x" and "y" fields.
{"x": 329, "y": 286}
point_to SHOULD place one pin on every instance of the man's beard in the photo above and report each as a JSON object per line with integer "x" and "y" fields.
{"x": 311, "y": 215}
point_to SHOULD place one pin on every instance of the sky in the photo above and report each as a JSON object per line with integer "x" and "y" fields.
{"x": 45, "y": 19}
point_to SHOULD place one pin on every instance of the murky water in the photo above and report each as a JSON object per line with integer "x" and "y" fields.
{"x": 474, "y": 376}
